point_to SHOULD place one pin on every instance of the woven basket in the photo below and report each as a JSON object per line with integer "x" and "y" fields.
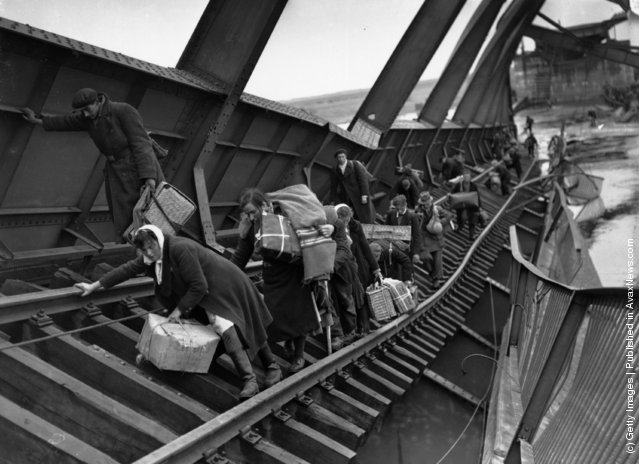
{"x": 400, "y": 294}
{"x": 381, "y": 303}
{"x": 167, "y": 208}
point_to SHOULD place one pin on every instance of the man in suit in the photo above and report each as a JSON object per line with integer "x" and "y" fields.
{"x": 400, "y": 215}
{"x": 350, "y": 185}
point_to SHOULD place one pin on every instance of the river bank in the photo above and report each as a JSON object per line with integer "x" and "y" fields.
{"x": 609, "y": 150}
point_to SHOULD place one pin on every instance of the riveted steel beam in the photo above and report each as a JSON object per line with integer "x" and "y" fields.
{"x": 11, "y": 159}
{"x": 497, "y": 90}
{"x": 406, "y": 65}
{"x": 509, "y": 29}
{"x": 542, "y": 393}
{"x": 225, "y": 46}
{"x": 451, "y": 80}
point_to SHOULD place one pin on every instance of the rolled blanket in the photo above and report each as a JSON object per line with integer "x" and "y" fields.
{"x": 318, "y": 254}
{"x": 300, "y": 205}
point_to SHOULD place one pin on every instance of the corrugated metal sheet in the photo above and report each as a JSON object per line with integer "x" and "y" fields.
{"x": 546, "y": 313}
{"x": 589, "y": 426}
{"x": 577, "y": 407}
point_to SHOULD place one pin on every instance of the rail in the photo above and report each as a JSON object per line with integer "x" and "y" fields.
{"x": 224, "y": 427}
{"x": 324, "y": 372}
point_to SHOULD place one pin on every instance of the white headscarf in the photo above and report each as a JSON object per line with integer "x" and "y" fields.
{"x": 160, "y": 236}
{"x": 337, "y": 207}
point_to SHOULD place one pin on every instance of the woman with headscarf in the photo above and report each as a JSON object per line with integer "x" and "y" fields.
{"x": 189, "y": 278}
{"x": 288, "y": 299}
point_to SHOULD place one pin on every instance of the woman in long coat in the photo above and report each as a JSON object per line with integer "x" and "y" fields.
{"x": 190, "y": 277}
{"x": 289, "y": 301}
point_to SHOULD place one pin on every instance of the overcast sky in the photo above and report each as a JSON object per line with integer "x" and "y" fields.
{"x": 317, "y": 47}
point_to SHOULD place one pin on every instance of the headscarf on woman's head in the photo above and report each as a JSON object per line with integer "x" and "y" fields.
{"x": 158, "y": 234}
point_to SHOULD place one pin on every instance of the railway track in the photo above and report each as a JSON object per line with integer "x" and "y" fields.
{"x": 72, "y": 391}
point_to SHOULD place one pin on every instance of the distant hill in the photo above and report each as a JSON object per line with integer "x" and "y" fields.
{"x": 340, "y": 107}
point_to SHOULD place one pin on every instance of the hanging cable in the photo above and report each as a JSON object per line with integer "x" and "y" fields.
{"x": 490, "y": 383}
{"x": 75, "y": 331}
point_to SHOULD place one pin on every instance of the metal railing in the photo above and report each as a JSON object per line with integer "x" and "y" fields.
{"x": 564, "y": 369}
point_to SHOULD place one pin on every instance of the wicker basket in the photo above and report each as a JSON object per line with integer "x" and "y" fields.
{"x": 400, "y": 294}
{"x": 167, "y": 208}
{"x": 380, "y": 302}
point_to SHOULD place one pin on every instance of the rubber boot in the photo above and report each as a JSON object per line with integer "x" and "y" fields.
{"x": 242, "y": 363}
{"x": 271, "y": 368}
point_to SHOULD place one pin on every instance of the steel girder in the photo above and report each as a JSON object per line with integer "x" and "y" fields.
{"x": 441, "y": 97}
{"x": 406, "y": 65}
{"x": 570, "y": 42}
{"x": 509, "y": 30}
{"x": 226, "y": 45}
{"x": 491, "y": 112}
{"x": 624, "y": 4}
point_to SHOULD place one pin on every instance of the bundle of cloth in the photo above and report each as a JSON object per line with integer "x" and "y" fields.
{"x": 306, "y": 213}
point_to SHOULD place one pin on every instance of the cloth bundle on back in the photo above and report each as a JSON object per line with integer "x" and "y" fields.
{"x": 306, "y": 214}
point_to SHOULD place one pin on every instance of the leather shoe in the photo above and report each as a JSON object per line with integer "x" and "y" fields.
{"x": 296, "y": 365}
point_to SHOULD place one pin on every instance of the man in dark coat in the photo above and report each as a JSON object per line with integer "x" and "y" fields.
{"x": 470, "y": 212}
{"x": 405, "y": 186}
{"x": 389, "y": 258}
{"x": 117, "y": 130}
{"x": 367, "y": 266}
{"x": 189, "y": 278}
{"x": 432, "y": 238}
{"x": 453, "y": 166}
{"x": 350, "y": 185}
{"x": 504, "y": 176}
{"x": 347, "y": 293}
{"x": 401, "y": 216}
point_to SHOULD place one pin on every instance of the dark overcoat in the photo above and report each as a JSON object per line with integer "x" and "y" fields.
{"x": 119, "y": 134}
{"x": 366, "y": 263}
{"x": 411, "y": 194}
{"x": 197, "y": 277}
{"x": 390, "y": 259}
{"x": 409, "y": 218}
{"x": 431, "y": 242}
{"x": 348, "y": 187}
{"x": 288, "y": 300}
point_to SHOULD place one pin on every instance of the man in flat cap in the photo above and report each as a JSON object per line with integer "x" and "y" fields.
{"x": 117, "y": 130}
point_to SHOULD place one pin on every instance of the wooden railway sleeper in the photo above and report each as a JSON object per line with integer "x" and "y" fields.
{"x": 376, "y": 381}
{"x": 419, "y": 340}
{"x": 433, "y": 331}
{"x": 423, "y": 337}
{"x": 321, "y": 426}
{"x": 448, "y": 313}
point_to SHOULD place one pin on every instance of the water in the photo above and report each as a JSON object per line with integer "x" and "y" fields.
{"x": 617, "y": 148}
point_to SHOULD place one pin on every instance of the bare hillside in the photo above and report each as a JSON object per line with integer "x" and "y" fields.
{"x": 339, "y": 108}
